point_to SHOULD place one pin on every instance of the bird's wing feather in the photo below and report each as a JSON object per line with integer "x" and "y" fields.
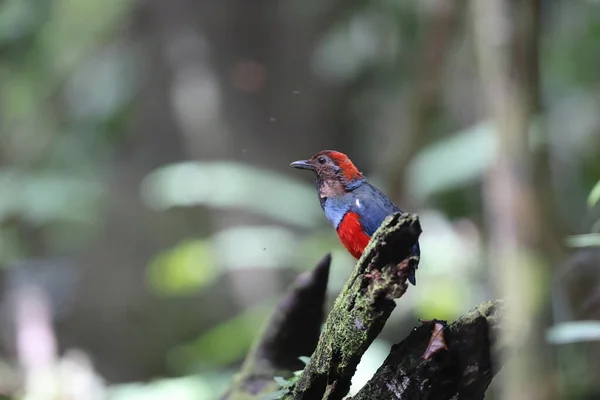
{"x": 372, "y": 206}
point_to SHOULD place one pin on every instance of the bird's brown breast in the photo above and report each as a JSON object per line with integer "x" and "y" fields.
{"x": 331, "y": 188}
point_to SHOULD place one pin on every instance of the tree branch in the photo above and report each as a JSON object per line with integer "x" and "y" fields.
{"x": 361, "y": 310}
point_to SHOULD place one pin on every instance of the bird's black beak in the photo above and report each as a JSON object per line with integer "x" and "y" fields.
{"x": 303, "y": 164}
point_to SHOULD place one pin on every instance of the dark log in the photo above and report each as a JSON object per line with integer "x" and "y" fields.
{"x": 464, "y": 371}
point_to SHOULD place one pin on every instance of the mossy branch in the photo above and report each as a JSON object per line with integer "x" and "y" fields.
{"x": 361, "y": 309}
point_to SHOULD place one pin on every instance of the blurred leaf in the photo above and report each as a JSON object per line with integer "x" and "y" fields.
{"x": 594, "y": 196}
{"x": 17, "y": 18}
{"x": 102, "y": 84}
{"x": 443, "y": 299}
{"x": 574, "y": 331}
{"x": 11, "y": 249}
{"x": 304, "y": 359}
{"x": 595, "y": 227}
{"x": 232, "y": 185}
{"x": 76, "y": 25}
{"x": 256, "y": 247}
{"x": 352, "y": 45}
{"x": 42, "y": 198}
{"x": 342, "y": 264}
{"x": 450, "y": 248}
{"x": 203, "y": 386}
{"x": 274, "y": 395}
{"x": 20, "y": 94}
{"x": 369, "y": 364}
{"x": 225, "y": 343}
{"x": 455, "y": 161}
{"x": 281, "y": 381}
{"x": 284, "y": 385}
{"x": 572, "y": 58}
{"x": 586, "y": 240}
{"x": 460, "y": 159}
{"x": 187, "y": 267}
{"x": 319, "y": 242}
{"x": 311, "y": 249}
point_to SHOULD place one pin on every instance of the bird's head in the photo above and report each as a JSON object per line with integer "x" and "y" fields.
{"x": 332, "y": 166}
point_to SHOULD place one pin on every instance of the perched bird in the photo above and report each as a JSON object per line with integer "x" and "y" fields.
{"x": 354, "y": 206}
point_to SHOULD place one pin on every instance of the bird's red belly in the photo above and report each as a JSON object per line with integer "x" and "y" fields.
{"x": 352, "y": 234}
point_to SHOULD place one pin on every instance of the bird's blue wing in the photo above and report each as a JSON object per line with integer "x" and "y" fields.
{"x": 373, "y": 207}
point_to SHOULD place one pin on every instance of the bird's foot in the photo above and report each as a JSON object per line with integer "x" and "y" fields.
{"x": 406, "y": 271}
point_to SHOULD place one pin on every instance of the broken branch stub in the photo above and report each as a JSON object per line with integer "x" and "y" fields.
{"x": 291, "y": 331}
{"x": 462, "y": 370}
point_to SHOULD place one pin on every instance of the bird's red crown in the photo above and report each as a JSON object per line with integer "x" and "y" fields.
{"x": 348, "y": 169}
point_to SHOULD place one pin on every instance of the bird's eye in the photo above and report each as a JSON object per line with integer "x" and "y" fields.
{"x": 321, "y": 160}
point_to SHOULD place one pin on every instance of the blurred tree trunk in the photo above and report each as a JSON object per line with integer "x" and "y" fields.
{"x": 507, "y": 43}
{"x": 437, "y": 36}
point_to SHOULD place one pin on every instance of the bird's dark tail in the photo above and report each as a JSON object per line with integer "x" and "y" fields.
{"x": 412, "y": 277}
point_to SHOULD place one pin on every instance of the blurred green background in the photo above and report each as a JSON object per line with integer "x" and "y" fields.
{"x": 149, "y": 219}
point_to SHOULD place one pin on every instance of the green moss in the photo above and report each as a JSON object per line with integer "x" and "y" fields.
{"x": 490, "y": 310}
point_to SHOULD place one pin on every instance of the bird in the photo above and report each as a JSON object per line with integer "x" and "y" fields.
{"x": 354, "y": 207}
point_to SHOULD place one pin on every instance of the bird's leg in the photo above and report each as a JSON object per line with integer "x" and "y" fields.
{"x": 404, "y": 268}
{"x": 373, "y": 275}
